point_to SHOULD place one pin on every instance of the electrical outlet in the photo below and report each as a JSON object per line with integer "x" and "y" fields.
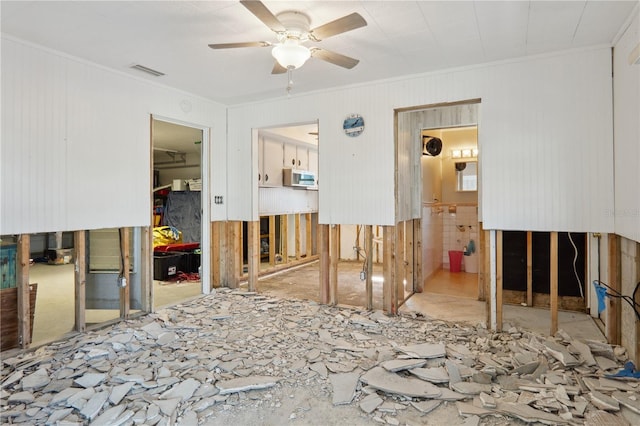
{"x": 363, "y": 275}
{"x": 217, "y": 199}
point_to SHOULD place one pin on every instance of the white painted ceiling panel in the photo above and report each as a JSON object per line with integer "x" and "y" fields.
{"x": 402, "y": 37}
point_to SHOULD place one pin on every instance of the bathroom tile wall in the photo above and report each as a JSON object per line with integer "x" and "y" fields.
{"x": 458, "y": 229}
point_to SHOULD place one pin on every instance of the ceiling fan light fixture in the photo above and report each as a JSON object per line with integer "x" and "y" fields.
{"x": 290, "y": 54}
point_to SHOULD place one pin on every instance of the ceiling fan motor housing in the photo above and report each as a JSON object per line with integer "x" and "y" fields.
{"x": 297, "y": 25}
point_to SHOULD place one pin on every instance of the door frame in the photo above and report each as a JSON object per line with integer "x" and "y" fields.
{"x": 205, "y": 174}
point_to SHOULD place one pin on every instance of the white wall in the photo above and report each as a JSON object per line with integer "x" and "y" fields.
{"x": 626, "y": 87}
{"x": 545, "y": 136}
{"x": 75, "y": 150}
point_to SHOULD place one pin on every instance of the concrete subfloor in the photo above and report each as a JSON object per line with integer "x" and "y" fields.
{"x": 447, "y": 296}
{"x": 54, "y": 316}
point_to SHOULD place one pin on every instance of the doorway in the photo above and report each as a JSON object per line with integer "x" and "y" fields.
{"x": 449, "y": 188}
{"x": 180, "y": 212}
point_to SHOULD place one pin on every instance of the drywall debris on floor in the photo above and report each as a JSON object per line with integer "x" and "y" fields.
{"x": 243, "y": 358}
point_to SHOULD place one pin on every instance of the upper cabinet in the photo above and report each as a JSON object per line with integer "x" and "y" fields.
{"x": 271, "y": 158}
{"x": 277, "y": 153}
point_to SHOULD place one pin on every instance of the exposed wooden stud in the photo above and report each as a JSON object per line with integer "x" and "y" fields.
{"x": 231, "y": 255}
{"x": 418, "y": 282}
{"x": 22, "y": 278}
{"x": 492, "y": 299}
{"x": 613, "y": 308}
{"x": 323, "y": 249}
{"x": 409, "y": 255}
{"x": 499, "y": 275}
{"x": 482, "y": 282}
{"x": 333, "y": 259}
{"x": 216, "y": 236}
{"x": 239, "y": 255}
{"x": 272, "y": 240}
{"x": 125, "y": 293}
{"x": 401, "y": 264}
{"x": 368, "y": 248}
{"x": 80, "y": 280}
{"x": 308, "y": 235}
{"x": 284, "y": 237}
{"x": 146, "y": 268}
{"x": 253, "y": 253}
{"x": 389, "y": 299}
{"x": 377, "y": 245}
{"x": 553, "y": 279}
{"x": 486, "y": 265}
{"x": 529, "y": 268}
{"x": 297, "y": 234}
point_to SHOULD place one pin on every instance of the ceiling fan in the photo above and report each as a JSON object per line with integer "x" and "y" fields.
{"x": 292, "y": 31}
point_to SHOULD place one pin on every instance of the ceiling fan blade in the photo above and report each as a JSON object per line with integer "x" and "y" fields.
{"x": 262, "y": 13}
{"x": 334, "y": 58}
{"x": 339, "y": 26}
{"x": 278, "y": 69}
{"x": 234, "y": 45}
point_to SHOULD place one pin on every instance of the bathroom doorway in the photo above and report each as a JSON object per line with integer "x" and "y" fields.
{"x": 446, "y": 193}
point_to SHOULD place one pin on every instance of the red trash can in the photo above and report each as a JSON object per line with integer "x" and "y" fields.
{"x": 455, "y": 260}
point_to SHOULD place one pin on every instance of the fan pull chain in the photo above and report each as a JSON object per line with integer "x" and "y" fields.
{"x": 289, "y": 81}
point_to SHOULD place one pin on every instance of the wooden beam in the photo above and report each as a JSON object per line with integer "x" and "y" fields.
{"x": 146, "y": 268}
{"x": 368, "y": 248}
{"x": 80, "y": 280}
{"x": 482, "y": 282}
{"x": 125, "y": 250}
{"x": 22, "y": 278}
{"x": 323, "y": 249}
{"x": 297, "y": 234}
{"x": 253, "y": 253}
{"x": 408, "y": 254}
{"x": 308, "y": 235}
{"x": 377, "y": 245}
{"x": 389, "y": 299}
{"x": 272, "y": 240}
{"x": 529, "y": 268}
{"x": 492, "y": 299}
{"x": 613, "y": 308}
{"x": 401, "y": 264}
{"x": 216, "y": 236}
{"x": 499, "y": 284}
{"x": 418, "y": 282}
{"x": 284, "y": 237}
{"x": 231, "y": 255}
{"x": 553, "y": 291}
{"x": 239, "y": 251}
{"x": 333, "y": 256}
{"x": 487, "y": 273}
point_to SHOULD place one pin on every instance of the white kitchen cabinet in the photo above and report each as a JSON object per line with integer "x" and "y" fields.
{"x": 272, "y": 155}
{"x": 291, "y": 155}
{"x": 302, "y": 156}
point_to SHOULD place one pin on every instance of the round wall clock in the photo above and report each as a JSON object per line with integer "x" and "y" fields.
{"x": 353, "y": 125}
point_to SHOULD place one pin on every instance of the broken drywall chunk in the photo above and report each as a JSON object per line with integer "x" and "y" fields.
{"x": 426, "y": 406}
{"x": 560, "y": 353}
{"x": 370, "y": 403}
{"x": 383, "y": 380}
{"x": 604, "y": 402}
{"x": 487, "y": 400}
{"x": 344, "y": 387}
{"x": 396, "y": 365}
{"x": 629, "y": 400}
{"x": 246, "y": 383}
{"x": 432, "y": 374}
{"x": 424, "y": 350}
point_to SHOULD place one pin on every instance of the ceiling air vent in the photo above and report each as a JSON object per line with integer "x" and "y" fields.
{"x": 147, "y": 70}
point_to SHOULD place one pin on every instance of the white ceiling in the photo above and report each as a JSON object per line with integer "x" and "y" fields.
{"x": 401, "y": 38}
